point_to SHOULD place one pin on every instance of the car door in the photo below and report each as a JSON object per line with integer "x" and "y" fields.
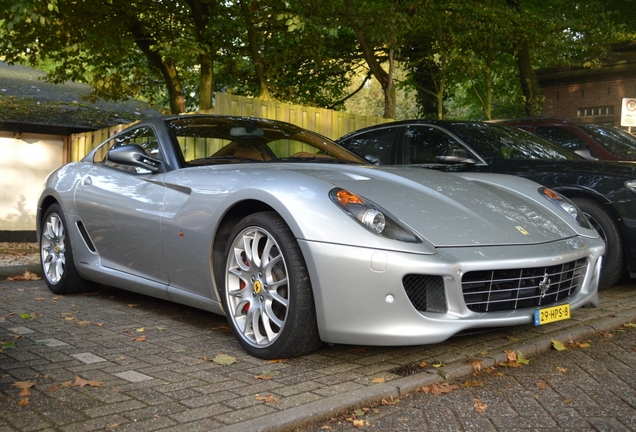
{"x": 121, "y": 208}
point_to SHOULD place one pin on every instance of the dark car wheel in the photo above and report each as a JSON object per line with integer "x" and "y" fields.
{"x": 614, "y": 261}
{"x": 267, "y": 293}
{"x": 56, "y": 256}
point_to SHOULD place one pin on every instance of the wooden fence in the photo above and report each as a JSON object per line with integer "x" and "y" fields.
{"x": 329, "y": 123}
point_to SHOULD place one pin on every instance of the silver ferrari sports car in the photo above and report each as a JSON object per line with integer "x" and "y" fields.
{"x": 298, "y": 241}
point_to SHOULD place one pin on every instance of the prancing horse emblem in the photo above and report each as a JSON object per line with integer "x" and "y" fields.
{"x": 544, "y": 285}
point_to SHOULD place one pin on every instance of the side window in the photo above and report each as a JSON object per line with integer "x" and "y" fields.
{"x": 562, "y": 137}
{"x": 377, "y": 143}
{"x": 144, "y": 137}
{"x": 424, "y": 144}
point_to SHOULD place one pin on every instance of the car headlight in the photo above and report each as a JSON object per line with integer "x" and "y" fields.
{"x": 371, "y": 216}
{"x": 631, "y": 185}
{"x": 566, "y": 205}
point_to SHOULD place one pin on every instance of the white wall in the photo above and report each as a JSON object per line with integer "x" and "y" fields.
{"x": 24, "y": 165}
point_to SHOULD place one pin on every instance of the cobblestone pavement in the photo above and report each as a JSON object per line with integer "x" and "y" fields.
{"x": 119, "y": 361}
{"x": 590, "y": 386}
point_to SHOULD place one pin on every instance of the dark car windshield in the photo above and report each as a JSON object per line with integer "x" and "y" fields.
{"x": 505, "y": 142}
{"x": 207, "y": 140}
{"x": 616, "y": 141}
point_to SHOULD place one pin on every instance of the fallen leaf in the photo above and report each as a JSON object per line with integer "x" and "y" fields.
{"x": 378, "y": 380}
{"x": 7, "y": 345}
{"x": 358, "y": 350}
{"x": 83, "y": 323}
{"x": 25, "y": 316}
{"x": 542, "y": 385}
{"x": 53, "y": 388}
{"x": 473, "y": 384}
{"x": 161, "y": 328}
{"x": 558, "y": 345}
{"x": 480, "y": 407}
{"x": 112, "y": 426}
{"x": 561, "y": 369}
{"x": 267, "y": 398}
{"x": 224, "y": 359}
{"x": 360, "y": 412}
{"x": 23, "y": 384}
{"x": 512, "y": 339}
{"x": 438, "y": 364}
{"x": 140, "y": 330}
{"x": 512, "y": 357}
{"x": 66, "y": 384}
{"x": 263, "y": 377}
{"x": 522, "y": 360}
{"x": 275, "y": 361}
{"x": 24, "y": 392}
{"x": 23, "y": 402}
{"x": 438, "y": 388}
{"x": 422, "y": 364}
{"x": 476, "y": 364}
{"x": 629, "y": 325}
{"x": 573, "y": 344}
{"x": 391, "y": 402}
{"x": 139, "y": 339}
{"x": 81, "y": 382}
{"x": 360, "y": 423}
{"x": 133, "y": 305}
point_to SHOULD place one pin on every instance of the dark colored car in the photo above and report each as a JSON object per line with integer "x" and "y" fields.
{"x": 588, "y": 140}
{"x": 604, "y": 191}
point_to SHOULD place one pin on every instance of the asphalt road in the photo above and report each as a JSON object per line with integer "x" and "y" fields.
{"x": 590, "y": 386}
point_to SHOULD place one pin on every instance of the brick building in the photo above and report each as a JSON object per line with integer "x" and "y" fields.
{"x": 587, "y": 95}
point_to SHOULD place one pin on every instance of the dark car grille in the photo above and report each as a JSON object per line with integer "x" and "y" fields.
{"x": 425, "y": 292}
{"x": 503, "y": 290}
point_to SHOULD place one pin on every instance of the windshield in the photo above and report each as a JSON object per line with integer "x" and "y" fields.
{"x": 208, "y": 140}
{"x": 505, "y": 142}
{"x": 616, "y": 141}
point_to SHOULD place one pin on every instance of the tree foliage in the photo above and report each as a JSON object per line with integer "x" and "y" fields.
{"x": 461, "y": 57}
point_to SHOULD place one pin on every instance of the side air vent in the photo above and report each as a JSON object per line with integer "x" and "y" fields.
{"x": 86, "y": 237}
{"x": 425, "y": 292}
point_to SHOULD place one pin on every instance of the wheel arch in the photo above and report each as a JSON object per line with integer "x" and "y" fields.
{"x": 221, "y": 237}
{"x": 629, "y": 252}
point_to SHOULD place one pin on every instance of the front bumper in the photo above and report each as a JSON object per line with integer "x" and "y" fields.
{"x": 360, "y": 298}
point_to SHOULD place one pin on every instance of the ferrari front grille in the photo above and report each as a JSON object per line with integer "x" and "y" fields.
{"x": 511, "y": 289}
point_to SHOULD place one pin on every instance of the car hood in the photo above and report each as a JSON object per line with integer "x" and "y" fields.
{"x": 452, "y": 210}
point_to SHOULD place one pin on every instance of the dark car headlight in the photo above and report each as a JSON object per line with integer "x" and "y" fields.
{"x": 566, "y": 205}
{"x": 371, "y": 216}
{"x": 631, "y": 185}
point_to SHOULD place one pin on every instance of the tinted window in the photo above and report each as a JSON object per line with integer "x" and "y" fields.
{"x": 505, "y": 142}
{"x": 423, "y": 144}
{"x": 614, "y": 140}
{"x": 563, "y": 137}
{"x": 374, "y": 143}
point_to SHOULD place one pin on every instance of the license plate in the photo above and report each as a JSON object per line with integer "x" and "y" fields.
{"x": 551, "y": 314}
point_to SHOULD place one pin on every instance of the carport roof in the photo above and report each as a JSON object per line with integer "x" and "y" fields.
{"x": 28, "y": 103}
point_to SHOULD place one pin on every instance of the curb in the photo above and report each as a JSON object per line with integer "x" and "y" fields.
{"x": 323, "y": 410}
{"x": 16, "y": 270}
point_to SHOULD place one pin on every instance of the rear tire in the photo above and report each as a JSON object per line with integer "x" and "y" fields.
{"x": 56, "y": 256}
{"x": 614, "y": 260}
{"x": 266, "y": 291}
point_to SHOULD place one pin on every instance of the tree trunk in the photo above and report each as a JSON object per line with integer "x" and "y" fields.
{"x": 206, "y": 84}
{"x": 166, "y": 66}
{"x": 528, "y": 80}
{"x": 384, "y": 78}
{"x": 252, "y": 39}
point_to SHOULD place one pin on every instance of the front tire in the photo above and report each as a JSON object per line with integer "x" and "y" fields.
{"x": 614, "y": 261}
{"x": 56, "y": 255}
{"x": 267, "y": 293}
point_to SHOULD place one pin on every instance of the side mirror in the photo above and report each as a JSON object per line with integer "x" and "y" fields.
{"x": 133, "y": 155}
{"x": 373, "y": 159}
{"x": 455, "y": 155}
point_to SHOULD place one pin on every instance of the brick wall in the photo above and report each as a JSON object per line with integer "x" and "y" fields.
{"x": 565, "y": 100}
